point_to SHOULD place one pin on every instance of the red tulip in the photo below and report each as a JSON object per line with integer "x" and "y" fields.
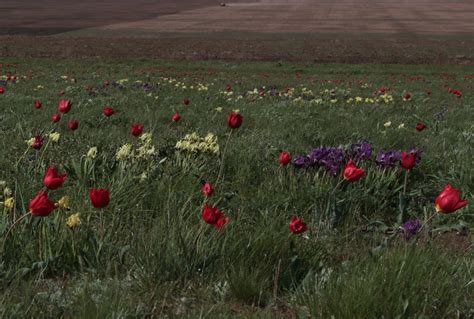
{"x": 234, "y": 120}
{"x": 73, "y": 124}
{"x": 38, "y": 143}
{"x": 228, "y": 88}
{"x": 221, "y": 222}
{"x": 407, "y": 96}
{"x": 186, "y": 101}
{"x": 137, "y": 129}
{"x": 100, "y": 198}
{"x": 56, "y": 118}
{"x": 297, "y": 226}
{"x": 176, "y": 117}
{"x": 408, "y": 160}
{"x": 2, "y": 90}
{"x": 38, "y": 104}
{"x": 211, "y": 215}
{"x": 449, "y": 200}
{"x": 64, "y": 106}
{"x": 108, "y": 111}
{"x": 41, "y": 205}
{"x": 52, "y": 179}
{"x": 285, "y": 158}
{"x": 352, "y": 173}
{"x": 420, "y": 126}
{"x": 207, "y": 189}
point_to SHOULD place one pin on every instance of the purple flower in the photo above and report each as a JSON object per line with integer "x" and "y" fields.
{"x": 388, "y": 159}
{"x": 411, "y": 228}
{"x": 331, "y": 158}
{"x": 361, "y": 151}
{"x": 301, "y": 161}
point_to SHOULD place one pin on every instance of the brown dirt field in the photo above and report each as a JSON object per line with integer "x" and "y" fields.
{"x": 349, "y": 31}
{"x": 44, "y": 17}
{"x": 308, "y": 16}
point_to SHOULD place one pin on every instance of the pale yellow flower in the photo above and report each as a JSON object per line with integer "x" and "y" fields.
{"x": 54, "y": 137}
{"x": 92, "y": 152}
{"x": 124, "y": 152}
{"x": 7, "y": 192}
{"x": 388, "y": 124}
{"x": 9, "y": 203}
{"x": 31, "y": 141}
{"x": 219, "y": 109}
{"x": 401, "y": 126}
{"x": 74, "y": 220}
{"x": 64, "y": 202}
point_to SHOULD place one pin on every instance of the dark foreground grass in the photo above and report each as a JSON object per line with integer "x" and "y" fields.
{"x": 150, "y": 254}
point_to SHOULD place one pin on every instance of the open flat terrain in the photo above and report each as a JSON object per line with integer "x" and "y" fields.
{"x": 420, "y": 31}
{"x": 258, "y": 159}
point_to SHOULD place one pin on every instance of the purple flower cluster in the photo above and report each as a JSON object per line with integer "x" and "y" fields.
{"x": 388, "y": 159}
{"x": 331, "y": 158}
{"x": 361, "y": 151}
{"x": 411, "y": 228}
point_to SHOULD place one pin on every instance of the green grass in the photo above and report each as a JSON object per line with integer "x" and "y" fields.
{"x": 151, "y": 254}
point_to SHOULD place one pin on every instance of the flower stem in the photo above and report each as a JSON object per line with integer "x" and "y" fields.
{"x": 11, "y": 228}
{"x": 428, "y": 220}
{"x": 221, "y": 168}
{"x": 405, "y": 182}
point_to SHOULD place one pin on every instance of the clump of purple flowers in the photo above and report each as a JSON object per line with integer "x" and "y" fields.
{"x": 361, "y": 151}
{"x": 331, "y": 158}
{"x": 388, "y": 159}
{"x": 411, "y": 228}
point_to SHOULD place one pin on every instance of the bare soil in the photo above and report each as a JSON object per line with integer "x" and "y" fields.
{"x": 347, "y": 31}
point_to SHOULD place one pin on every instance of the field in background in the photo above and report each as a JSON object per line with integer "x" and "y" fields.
{"x": 349, "y": 31}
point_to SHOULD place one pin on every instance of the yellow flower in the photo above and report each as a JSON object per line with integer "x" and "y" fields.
{"x": 146, "y": 138}
{"x": 54, "y": 137}
{"x": 92, "y": 152}
{"x": 388, "y": 124}
{"x": 64, "y": 202}
{"x": 74, "y": 220}
{"x": 236, "y": 111}
{"x": 124, "y": 152}
{"x": 219, "y": 109}
{"x": 31, "y": 141}
{"x": 358, "y": 99}
{"x": 401, "y": 126}
{"x": 9, "y": 203}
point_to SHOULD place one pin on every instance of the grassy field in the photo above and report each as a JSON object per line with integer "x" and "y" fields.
{"x": 150, "y": 253}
